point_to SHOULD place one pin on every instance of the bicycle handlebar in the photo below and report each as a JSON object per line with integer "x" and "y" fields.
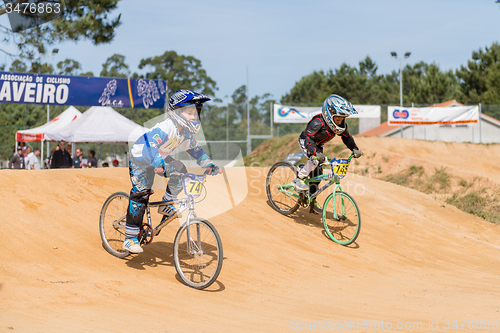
{"x": 328, "y": 160}
{"x": 161, "y": 171}
{"x": 206, "y": 171}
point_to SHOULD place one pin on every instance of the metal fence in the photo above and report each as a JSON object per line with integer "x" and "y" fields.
{"x": 235, "y": 136}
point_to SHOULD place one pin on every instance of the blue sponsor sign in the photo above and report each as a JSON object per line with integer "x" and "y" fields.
{"x": 80, "y": 90}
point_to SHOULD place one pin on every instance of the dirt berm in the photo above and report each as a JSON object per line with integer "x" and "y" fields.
{"x": 418, "y": 263}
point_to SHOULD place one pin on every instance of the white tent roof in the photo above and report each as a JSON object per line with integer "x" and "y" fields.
{"x": 56, "y": 124}
{"x": 99, "y": 124}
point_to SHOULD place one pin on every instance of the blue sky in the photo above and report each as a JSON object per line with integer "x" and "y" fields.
{"x": 282, "y": 41}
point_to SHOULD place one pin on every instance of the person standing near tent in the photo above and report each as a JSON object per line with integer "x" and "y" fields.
{"x": 92, "y": 162}
{"x": 78, "y": 159}
{"x": 152, "y": 152}
{"x": 28, "y": 153}
{"x": 17, "y": 160}
{"x": 34, "y": 161}
{"x": 61, "y": 158}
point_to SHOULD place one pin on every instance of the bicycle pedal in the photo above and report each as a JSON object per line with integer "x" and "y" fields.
{"x": 166, "y": 210}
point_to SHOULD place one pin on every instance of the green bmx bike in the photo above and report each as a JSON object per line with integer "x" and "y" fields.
{"x": 341, "y": 217}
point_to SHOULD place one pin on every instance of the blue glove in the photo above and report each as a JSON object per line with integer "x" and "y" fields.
{"x": 212, "y": 169}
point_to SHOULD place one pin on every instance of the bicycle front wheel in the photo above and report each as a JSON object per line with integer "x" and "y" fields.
{"x": 279, "y": 189}
{"x": 198, "y": 257}
{"x": 341, "y": 218}
{"x": 112, "y": 223}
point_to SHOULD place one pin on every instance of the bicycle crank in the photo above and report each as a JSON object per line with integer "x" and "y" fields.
{"x": 145, "y": 234}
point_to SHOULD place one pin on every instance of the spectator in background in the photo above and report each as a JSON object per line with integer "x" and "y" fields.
{"x": 85, "y": 162}
{"x": 17, "y": 160}
{"x": 61, "y": 158}
{"x": 78, "y": 159}
{"x": 105, "y": 165}
{"x": 92, "y": 162}
{"x": 27, "y": 154}
{"x": 34, "y": 161}
{"x": 48, "y": 160}
{"x": 115, "y": 163}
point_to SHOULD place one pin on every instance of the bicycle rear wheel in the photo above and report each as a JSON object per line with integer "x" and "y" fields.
{"x": 279, "y": 189}
{"x": 341, "y": 218}
{"x": 198, "y": 260}
{"x": 112, "y": 223}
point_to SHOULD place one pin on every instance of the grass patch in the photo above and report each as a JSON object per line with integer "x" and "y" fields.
{"x": 493, "y": 214}
{"x": 471, "y": 202}
{"x": 400, "y": 178}
{"x": 462, "y": 182}
{"x": 416, "y": 170}
{"x": 442, "y": 178}
{"x": 367, "y": 171}
{"x": 427, "y": 187}
{"x": 414, "y": 177}
{"x": 477, "y": 203}
{"x": 273, "y": 150}
{"x": 405, "y": 177}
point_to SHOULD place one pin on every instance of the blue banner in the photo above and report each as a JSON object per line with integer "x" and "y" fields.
{"x": 27, "y": 88}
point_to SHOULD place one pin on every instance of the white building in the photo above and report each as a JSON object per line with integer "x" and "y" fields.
{"x": 487, "y": 130}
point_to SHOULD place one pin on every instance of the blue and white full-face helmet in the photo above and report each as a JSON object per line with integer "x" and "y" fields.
{"x": 336, "y": 106}
{"x": 182, "y": 99}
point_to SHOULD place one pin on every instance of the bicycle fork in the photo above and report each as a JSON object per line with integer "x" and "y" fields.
{"x": 335, "y": 212}
{"x": 194, "y": 247}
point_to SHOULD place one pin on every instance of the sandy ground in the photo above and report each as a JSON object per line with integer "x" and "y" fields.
{"x": 474, "y": 159}
{"x": 418, "y": 263}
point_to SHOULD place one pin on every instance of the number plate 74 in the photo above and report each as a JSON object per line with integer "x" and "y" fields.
{"x": 194, "y": 187}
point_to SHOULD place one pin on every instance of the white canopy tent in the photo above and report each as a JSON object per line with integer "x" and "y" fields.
{"x": 99, "y": 124}
{"x": 56, "y": 124}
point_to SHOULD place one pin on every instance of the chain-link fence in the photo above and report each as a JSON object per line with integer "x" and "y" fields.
{"x": 226, "y": 131}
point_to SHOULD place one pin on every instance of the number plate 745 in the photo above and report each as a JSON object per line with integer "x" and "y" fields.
{"x": 341, "y": 169}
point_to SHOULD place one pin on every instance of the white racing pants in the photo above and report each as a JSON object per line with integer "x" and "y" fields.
{"x": 310, "y": 165}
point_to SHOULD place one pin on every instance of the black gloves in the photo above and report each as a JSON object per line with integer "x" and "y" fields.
{"x": 320, "y": 157}
{"x": 357, "y": 153}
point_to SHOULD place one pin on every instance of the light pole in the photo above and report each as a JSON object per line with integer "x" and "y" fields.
{"x": 249, "y": 141}
{"x": 54, "y": 52}
{"x": 395, "y": 55}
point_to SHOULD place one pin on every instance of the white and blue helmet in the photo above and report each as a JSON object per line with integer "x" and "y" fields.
{"x": 336, "y": 106}
{"x": 184, "y": 98}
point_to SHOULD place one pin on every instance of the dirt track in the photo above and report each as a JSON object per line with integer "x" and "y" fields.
{"x": 415, "y": 260}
